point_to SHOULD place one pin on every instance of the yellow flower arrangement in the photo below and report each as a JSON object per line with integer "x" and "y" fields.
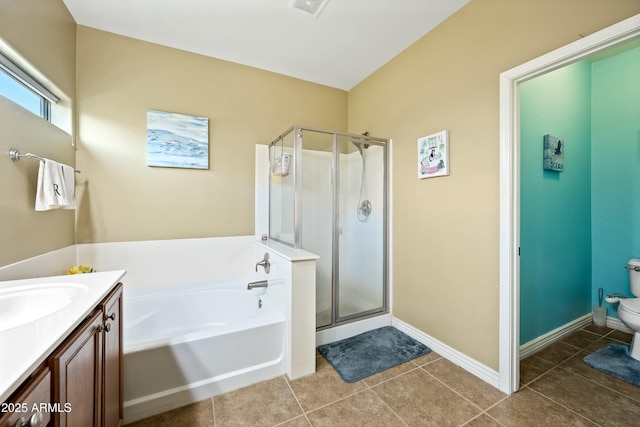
{"x": 80, "y": 269}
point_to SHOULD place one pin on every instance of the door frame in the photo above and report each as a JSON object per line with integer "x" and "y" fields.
{"x": 509, "y": 333}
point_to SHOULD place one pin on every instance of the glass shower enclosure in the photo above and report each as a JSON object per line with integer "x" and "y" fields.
{"x": 328, "y": 196}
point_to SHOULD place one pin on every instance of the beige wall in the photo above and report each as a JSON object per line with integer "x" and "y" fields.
{"x": 446, "y": 229}
{"x": 119, "y": 79}
{"x": 44, "y": 34}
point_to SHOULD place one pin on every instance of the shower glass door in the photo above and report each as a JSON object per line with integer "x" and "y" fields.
{"x": 331, "y": 201}
{"x": 359, "y": 229}
{"x": 317, "y": 215}
{"x": 282, "y": 190}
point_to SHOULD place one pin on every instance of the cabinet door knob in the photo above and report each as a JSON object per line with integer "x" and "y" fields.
{"x": 100, "y": 328}
{"x": 107, "y": 327}
{"x": 34, "y": 421}
{"x": 112, "y": 316}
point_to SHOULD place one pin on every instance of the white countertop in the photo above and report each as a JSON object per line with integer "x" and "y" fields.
{"x": 23, "y": 348}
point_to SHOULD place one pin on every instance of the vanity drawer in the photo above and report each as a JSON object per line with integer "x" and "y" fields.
{"x": 26, "y": 403}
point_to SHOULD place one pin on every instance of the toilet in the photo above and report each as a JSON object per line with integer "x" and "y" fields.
{"x": 629, "y": 308}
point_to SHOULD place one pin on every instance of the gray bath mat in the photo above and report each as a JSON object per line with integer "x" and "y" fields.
{"x": 615, "y": 360}
{"x": 374, "y": 351}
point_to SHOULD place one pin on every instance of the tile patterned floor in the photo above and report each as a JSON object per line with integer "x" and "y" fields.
{"x": 558, "y": 389}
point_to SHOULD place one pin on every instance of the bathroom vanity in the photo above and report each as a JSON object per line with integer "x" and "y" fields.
{"x": 64, "y": 368}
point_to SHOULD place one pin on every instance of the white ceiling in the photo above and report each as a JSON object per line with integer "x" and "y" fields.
{"x": 348, "y": 41}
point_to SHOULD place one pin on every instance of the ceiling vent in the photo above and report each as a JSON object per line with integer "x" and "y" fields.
{"x": 309, "y": 7}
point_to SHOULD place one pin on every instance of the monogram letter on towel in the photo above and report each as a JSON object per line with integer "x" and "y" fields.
{"x": 56, "y": 186}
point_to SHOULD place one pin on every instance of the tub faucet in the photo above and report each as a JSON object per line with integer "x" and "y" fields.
{"x": 264, "y": 263}
{"x": 259, "y": 284}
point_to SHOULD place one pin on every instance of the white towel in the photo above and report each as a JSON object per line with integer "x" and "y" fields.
{"x": 56, "y": 186}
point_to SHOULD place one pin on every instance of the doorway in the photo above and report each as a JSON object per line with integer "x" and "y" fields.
{"x": 611, "y": 37}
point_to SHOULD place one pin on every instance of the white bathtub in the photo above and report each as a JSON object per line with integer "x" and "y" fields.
{"x": 183, "y": 344}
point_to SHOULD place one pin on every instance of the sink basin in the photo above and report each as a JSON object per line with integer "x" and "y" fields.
{"x": 20, "y": 305}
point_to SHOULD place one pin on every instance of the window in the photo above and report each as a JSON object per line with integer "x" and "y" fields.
{"x": 18, "y": 93}
{"x": 24, "y": 90}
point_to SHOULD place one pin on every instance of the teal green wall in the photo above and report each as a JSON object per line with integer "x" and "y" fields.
{"x": 615, "y": 179}
{"x": 579, "y": 227}
{"x": 555, "y": 207}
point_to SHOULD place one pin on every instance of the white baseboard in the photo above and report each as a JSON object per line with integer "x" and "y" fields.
{"x": 470, "y": 365}
{"x": 617, "y": 324}
{"x": 482, "y": 371}
{"x": 557, "y": 334}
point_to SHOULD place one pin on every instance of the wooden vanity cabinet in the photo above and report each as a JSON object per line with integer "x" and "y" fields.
{"x": 87, "y": 369}
{"x": 80, "y": 383}
{"x": 28, "y": 405}
{"x": 77, "y": 374}
{"x": 113, "y": 381}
